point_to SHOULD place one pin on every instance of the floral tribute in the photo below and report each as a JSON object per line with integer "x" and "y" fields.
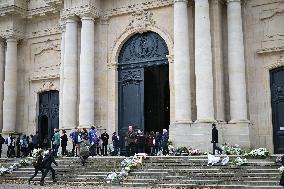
{"x": 231, "y": 149}
{"x": 257, "y": 153}
{"x": 128, "y": 164}
{"x": 23, "y": 162}
{"x": 240, "y": 161}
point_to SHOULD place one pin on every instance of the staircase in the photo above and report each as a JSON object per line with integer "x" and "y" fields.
{"x": 160, "y": 172}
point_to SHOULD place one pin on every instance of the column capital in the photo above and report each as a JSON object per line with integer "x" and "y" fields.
{"x": 230, "y": 1}
{"x": 180, "y": 1}
{"x": 87, "y": 17}
{"x": 11, "y": 39}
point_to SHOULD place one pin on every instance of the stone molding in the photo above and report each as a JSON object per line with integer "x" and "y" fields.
{"x": 279, "y": 63}
{"x": 47, "y": 85}
{"x": 140, "y": 19}
{"x": 82, "y": 11}
{"x": 57, "y": 4}
{"x": 183, "y": 1}
{"x": 270, "y": 50}
{"x": 137, "y": 7}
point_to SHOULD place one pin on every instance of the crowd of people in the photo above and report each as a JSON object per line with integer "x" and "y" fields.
{"x": 134, "y": 141}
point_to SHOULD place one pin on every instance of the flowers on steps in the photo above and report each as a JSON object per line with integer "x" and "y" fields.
{"x": 128, "y": 164}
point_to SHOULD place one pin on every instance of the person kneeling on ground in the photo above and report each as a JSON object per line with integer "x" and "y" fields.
{"x": 84, "y": 150}
{"x": 46, "y": 165}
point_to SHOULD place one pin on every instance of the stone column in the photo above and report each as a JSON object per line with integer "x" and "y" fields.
{"x": 203, "y": 63}
{"x": 87, "y": 69}
{"x": 236, "y": 62}
{"x": 181, "y": 63}
{"x": 2, "y": 69}
{"x": 218, "y": 66}
{"x": 10, "y": 87}
{"x": 70, "y": 86}
{"x": 61, "y": 79}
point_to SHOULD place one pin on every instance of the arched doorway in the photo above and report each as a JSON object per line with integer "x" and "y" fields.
{"x": 143, "y": 84}
{"x": 277, "y": 105}
{"x": 48, "y": 118}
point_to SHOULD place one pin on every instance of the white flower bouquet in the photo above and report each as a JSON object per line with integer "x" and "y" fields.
{"x": 231, "y": 149}
{"x": 257, "y": 153}
{"x": 240, "y": 161}
{"x": 281, "y": 169}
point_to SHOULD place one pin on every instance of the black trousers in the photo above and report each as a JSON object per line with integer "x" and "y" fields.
{"x": 215, "y": 147}
{"x": 132, "y": 149}
{"x": 282, "y": 179}
{"x": 35, "y": 173}
{"x": 63, "y": 152}
{"x": 104, "y": 150}
{"x": 46, "y": 170}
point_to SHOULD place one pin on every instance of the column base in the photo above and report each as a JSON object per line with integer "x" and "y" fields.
{"x": 206, "y": 120}
{"x": 233, "y": 121}
{"x": 199, "y": 135}
{"x": 195, "y": 135}
{"x": 182, "y": 122}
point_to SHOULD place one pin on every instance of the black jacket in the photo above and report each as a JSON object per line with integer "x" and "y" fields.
{"x": 105, "y": 138}
{"x": 64, "y": 140}
{"x": 214, "y": 135}
{"x": 47, "y": 161}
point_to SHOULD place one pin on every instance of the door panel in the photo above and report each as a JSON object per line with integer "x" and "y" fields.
{"x": 277, "y": 104}
{"x": 131, "y": 100}
{"x": 48, "y": 118}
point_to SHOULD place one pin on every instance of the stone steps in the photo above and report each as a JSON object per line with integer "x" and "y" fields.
{"x": 162, "y": 172}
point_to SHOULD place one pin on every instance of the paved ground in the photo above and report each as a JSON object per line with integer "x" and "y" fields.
{"x": 26, "y": 186}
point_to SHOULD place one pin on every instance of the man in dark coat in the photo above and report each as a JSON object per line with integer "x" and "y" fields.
{"x": 215, "y": 139}
{"x": 131, "y": 141}
{"x": 37, "y": 166}
{"x": 46, "y": 165}
{"x": 104, "y": 138}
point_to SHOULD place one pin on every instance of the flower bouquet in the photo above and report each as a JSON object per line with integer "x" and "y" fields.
{"x": 231, "y": 149}
{"x": 240, "y": 161}
{"x": 257, "y": 153}
{"x": 281, "y": 169}
{"x": 182, "y": 151}
{"x": 194, "y": 152}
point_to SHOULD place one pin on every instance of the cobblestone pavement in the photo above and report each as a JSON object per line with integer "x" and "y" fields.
{"x": 26, "y": 186}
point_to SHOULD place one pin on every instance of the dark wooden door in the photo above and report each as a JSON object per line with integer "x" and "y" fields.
{"x": 131, "y": 101}
{"x": 48, "y": 118}
{"x": 138, "y": 52}
{"x": 277, "y": 103}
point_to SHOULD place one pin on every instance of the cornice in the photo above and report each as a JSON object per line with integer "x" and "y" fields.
{"x": 270, "y": 50}
{"x": 137, "y": 7}
{"x": 12, "y": 10}
{"x": 41, "y": 12}
{"x": 82, "y": 11}
{"x": 57, "y": 4}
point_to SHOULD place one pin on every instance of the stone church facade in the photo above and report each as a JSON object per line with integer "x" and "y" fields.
{"x": 153, "y": 64}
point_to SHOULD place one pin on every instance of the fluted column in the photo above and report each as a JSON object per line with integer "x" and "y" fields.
{"x": 2, "y": 69}
{"x": 203, "y": 63}
{"x": 70, "y": 84}
{"x": 61, "y": 79}
{"x": 236, "y": 61}
{"x": 10, "y": 87}
{"x": 181, "y": 63}
{"x": 87, "y": 69}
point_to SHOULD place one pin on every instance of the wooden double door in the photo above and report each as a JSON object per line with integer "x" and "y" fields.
{"x": 143, "y": 85}
{"x": 48, "y": 118}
